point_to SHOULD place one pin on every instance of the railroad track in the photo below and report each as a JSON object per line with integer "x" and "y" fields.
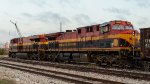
{"x": 73, "y": 78}
{"x": 132, "y": 75}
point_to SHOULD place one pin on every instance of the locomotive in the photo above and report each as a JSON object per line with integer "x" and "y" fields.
{"x": 110, "y": 43}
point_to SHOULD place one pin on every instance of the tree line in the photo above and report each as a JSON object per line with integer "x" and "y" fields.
{"x": 3, "y": 51}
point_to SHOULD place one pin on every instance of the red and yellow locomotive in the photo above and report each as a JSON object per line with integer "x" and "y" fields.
{"x": 111, "y": 43}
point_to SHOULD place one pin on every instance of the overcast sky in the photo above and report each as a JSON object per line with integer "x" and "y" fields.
{"x": 43, "y": 16}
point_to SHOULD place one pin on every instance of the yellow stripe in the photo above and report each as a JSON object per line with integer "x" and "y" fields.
{"x": 128, "y": 37}
{"x": 123, "y": 36}
{"x": 92, "y": 49}
{"x": 27, "y": 44}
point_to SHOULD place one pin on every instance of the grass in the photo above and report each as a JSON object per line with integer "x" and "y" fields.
{"x": 5, "y": 81}
{"x": 3, "y": 51}
{"x": 1, "y": 56}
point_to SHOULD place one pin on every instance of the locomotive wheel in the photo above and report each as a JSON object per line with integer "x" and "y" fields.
{"x": 97, "y": 60}
{"x": 146, "y": 66}
{"x": 109, "y": 64}
{"x": 109, "y": 61}
{"x": 90, "y": 57}
{"x": 55, "y": 57}
{"x": 29, "y": 56}
{"x": 46, "y": 57}
{"x": 51, "y": 57}
{"x": 34, "y": 56}
{"x": 124, "y": 64}
{"x": 13, "y": 55}
{"x": 41, "y": 54}
{"x": 9, "y": 55}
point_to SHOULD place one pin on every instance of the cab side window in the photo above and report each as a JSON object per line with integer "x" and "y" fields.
{"x": 97, "y": 28}
{"x": 105, "y": 29}
{"x": 79, "y": 31}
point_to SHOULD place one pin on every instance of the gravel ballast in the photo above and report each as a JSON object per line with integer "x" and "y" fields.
{"x": 28, "y": 78}
{"x": 21, "y": 77}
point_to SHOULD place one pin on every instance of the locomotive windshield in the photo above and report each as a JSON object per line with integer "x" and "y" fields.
{"x": 129, "y": 27}
{"x": 121, "y": 27}
{"x": 118, "y": 27}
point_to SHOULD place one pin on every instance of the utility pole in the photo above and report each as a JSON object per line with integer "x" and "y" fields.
{"x": 60, "y": 26}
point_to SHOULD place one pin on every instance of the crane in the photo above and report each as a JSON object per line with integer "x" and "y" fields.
{"x": 18, "y": 31}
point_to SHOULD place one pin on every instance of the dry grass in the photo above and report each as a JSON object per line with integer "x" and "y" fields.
{"x": 5, "y": 81}
{"x": 3, "y": 56}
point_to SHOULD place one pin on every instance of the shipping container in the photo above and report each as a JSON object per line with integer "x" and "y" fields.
{"x": 145, "y": 42}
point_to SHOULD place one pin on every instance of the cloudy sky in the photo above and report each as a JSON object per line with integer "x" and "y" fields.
{"x": 43, "y": 16}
